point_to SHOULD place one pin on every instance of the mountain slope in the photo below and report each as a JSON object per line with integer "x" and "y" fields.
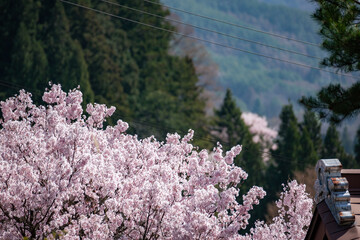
{"x": 260, "y": 85}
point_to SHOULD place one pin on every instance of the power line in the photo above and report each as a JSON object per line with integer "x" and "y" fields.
{"x": 208, "y": 41}
{"x": 210, "y": 30}
{"x": 234, "y": 24}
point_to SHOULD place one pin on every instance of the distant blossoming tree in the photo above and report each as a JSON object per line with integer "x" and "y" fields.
{"x": 263, "y": 134}
{"x": 62, "y": 176}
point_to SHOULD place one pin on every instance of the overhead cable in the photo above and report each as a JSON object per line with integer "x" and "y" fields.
{"x": 234, "y": 24}
{"x": 207, "y": 41}
{"x": 210, "y": 30}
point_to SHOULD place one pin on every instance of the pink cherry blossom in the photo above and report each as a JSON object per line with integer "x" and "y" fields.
{"x": 263, "y": 134}
{"x": 295, "y": 213}
{"x": 65, "y": 177}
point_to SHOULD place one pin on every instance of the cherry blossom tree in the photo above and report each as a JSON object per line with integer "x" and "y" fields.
{"x": 263, "y": 134}
{"x": 293, "y": 219}
{"x": 63, "y": 176}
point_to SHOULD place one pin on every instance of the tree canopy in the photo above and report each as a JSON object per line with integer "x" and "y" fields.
{"x": 340, "y": 29}
{"x": 115, "y": 62}
{"x": 65, "y": 176}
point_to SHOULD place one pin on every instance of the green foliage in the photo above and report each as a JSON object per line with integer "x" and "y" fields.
{"x": 28, "y": 64}
{"x": 113, "y": 73}
{"x": 346, "y": 141}
{"x": 22, "y": 57}
{"x": 307, "y": 154}
{"x": 66, "y": 60}
{"x": 253, "y": 78}
{"x": 310, "y": 141}
{"x": 357, "y": 147}
{"x": 334, "y": 149}
{"x": 340, "y": 30}
{"x": 312, "y": 124}
{"x": 115, "y": 62}
{"x": 286, "y": 155}
{"x": 334, "y": 102}
{"x": 231, "y": 129}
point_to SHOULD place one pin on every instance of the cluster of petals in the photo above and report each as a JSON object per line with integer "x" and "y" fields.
{"x": 63, "y": 176}
{"x": 262, "y": 133}
{"x": 294, "y": 216}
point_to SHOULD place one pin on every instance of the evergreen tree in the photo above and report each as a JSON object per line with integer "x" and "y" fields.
{"x": 115, "y": 62}
{"x": 168, "y": 94}
{"x": 313, "y": 126}
{"x": 231, "y": 129}
{"x": 332, "y": 144}
{"x": 28, "y": 63}
{"x": 175, "y": 103}
{"x": 310, "y": 141}
{"x": 357, "y": 147}
{"x": 66, "y": 60}
{"x": 339, "y": 21}
{"x": 286, "y": 155}
{"x": 334, "y": 149}
{"x": 346, "y": 142}
{"x": 22, "y": 58}
{"x": 307, "y": 154}
{"x": 112, "y": 71}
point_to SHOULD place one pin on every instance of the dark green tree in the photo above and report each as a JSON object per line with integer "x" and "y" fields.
{"x": 172, "y": 100}
{"x": 346, "y": 141}
{"x": 112, "y": 71}
{"x": 313, "y": 126}
{"x": 310, "y": 140}
{"x": 286, "y": 156}
{"x": 339, "y": 21}
{"x": 115, "y": 62}
{"x": 334, "y": 149}
{"x": 307, "y": 154}
{"x": 167, "y": 94}
{"x": 357, "y": 147}
{"x": 28, "y": 62}
{"x": 231, "y": 129}
{"x": 67, "y": 65}
{"x": 22, "y": 57}
{"x": 332, "y": 143}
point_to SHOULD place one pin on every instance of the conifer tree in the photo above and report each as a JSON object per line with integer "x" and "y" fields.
{"x": 334, "y": 149}
{"x": 66, "y": 60}
{"x": 313, "y": 126}
{"x": 22, "y": 57}
{"x": 307, "y": 154}
{"x": 310, "y": 140}
{"x": 286, "y": 155}
{"x": 357, "y": 147}
{"x": 346, "y": 142}
{"x": 231, "y": 129}
{"x": 339, "y": 21}
{"x": 112, "y": 71}
{"x": 332, "y": 143}
{"x": 28, "y": 63}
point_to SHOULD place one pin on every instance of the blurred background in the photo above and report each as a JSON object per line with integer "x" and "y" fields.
{"x": 233, "y": 71}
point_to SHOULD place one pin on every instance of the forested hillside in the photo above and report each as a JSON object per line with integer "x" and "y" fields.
{"x": 306, "y": 5}
{"x": 115, "y": 62}
{"x": 259, "y": 84}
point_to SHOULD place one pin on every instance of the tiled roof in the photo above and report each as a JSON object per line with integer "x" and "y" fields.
{"x": 323, "y": 225}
